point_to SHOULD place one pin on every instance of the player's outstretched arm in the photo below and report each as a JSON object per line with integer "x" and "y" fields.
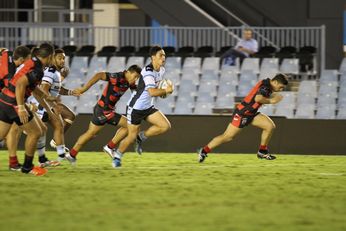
{"x": 65, "y": 91}
{"x": 91, "y": 82}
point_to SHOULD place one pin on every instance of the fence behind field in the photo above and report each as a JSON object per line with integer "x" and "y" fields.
{"x": 13, "y": 34}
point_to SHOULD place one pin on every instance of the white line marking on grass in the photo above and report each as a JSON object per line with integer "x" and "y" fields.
{"x": 172, "y": 167}
{"x": 331, "y": 174}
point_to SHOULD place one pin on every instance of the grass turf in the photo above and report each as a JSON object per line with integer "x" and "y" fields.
{"x": 173, "y": 192}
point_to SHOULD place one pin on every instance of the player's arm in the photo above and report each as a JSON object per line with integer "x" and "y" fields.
{"x": 65, "y": 91}
{"x": 42, "y": 98}
{"x": 91, "y": 82}
{"x": 45, "y": 87}
{"x": 151, "y": 87}
{"x": 273, "y": 99}
{"x": 21, "y": 85}
{"x": 160, "y": 92}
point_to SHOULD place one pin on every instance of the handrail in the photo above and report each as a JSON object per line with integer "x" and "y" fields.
{"x": 210, "y": 18}
{"x": 60, "y": 12}
{"x": 244, "y": 23}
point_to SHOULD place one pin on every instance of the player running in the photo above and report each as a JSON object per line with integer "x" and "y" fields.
{"x": 51, "y": 85}
{"x": 12, "y": 107}
{"x": 140, "y": 106}
{"x": 104, "y": 113}
{"x": 8, "y": 66}
{"x": 246, "y": 113}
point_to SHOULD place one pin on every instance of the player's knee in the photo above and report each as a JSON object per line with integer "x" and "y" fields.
{"x": 271, "y": 127}
{"x": 35, "y": 133}
{"x": 70, "y": 118}
{"x": 166, "y": 127}
{"x": 131, "y": 137}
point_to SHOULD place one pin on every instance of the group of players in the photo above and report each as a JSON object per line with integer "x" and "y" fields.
{"x": 30, "y": 84}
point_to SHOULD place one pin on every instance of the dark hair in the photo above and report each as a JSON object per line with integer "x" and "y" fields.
{"x": 34, "y": 51}
{"x": 153, "y": 50}
{"x": 135, "y": 68}
{"x": 21, "y": 52}
{"x": 281, "y": 78}
{"x": 59, "y": 51}
{"x": 45, "y": 50}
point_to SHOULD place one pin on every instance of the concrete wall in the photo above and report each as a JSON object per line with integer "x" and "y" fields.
{"x": 190, "y": 132}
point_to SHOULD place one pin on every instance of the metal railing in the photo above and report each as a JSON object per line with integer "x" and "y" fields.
{"x": 13, "y": 34}
{"x": 60, "y": 16}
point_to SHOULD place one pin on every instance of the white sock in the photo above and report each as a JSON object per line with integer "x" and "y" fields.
{"x": 41, "y": 151}
{"x": 60, "y": 149}
{"x": 2, "y": 143}
{"x": 142, "y": 136}
{"x": 41, "y": 145}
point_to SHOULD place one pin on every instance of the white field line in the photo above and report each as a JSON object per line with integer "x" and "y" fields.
{"x": 331, "y": 174}
{"x": 206, "y": 166}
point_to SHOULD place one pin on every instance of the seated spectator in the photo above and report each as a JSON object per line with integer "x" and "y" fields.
{"x": 245, "y": 47}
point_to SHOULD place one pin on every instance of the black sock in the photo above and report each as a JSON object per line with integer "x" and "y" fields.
{"x": 62, "y": 155}
{"x": 263, "y": 151}
{"x": 42, "y": 159}
{"x": 27, "y": 166}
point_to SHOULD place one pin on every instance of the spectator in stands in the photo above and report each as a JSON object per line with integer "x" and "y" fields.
{"x": 245, "y": 47}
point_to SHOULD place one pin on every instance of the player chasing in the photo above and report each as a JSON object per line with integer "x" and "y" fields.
{"x": 246, "y": 113}
{"x": 104, "y": 110}
{"x": 64, "y": 117}
{"x": 140, "y": 106}
{"x": 13, "y": 109}
{"x": 8, "y": 66}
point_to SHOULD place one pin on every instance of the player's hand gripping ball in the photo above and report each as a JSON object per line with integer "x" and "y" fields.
{"x": 163, "y": 84}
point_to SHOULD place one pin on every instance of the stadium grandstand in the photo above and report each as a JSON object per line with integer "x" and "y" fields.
{"x": 193, "y": 57}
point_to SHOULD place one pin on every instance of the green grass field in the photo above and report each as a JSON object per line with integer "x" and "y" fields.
{"x": 173, "y": 192}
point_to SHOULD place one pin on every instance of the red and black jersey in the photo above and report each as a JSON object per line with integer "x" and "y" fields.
{"x": 249, "y": 106}
{"x": 7, "y": 68}
{"x": 116, "y": 87}
{"x": 31, "y": 69}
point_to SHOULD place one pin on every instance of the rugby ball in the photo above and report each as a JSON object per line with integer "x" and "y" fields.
{"x": 163, "y": 84}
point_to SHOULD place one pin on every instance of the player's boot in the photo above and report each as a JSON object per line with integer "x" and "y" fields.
{"x": 35, "y": 170}
{"x": 201, "y": 155}
{"x": 116, "y": 162}
{"x": 138, "y": 145}
{"x": 117, "y": 156}
{"x": 71, "y": 159}
{"x": 264, "y": 154}
{"x": 44, "y": 162}
{"x": 16, "y": 167}
{"x": 109, "y": 151}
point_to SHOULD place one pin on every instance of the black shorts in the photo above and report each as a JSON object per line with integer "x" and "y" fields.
{"x": 9, "y": 113}
{"x": 241, "y": 121}
{"x": 102, "y": 117}
{"x": 137, "y": 116}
